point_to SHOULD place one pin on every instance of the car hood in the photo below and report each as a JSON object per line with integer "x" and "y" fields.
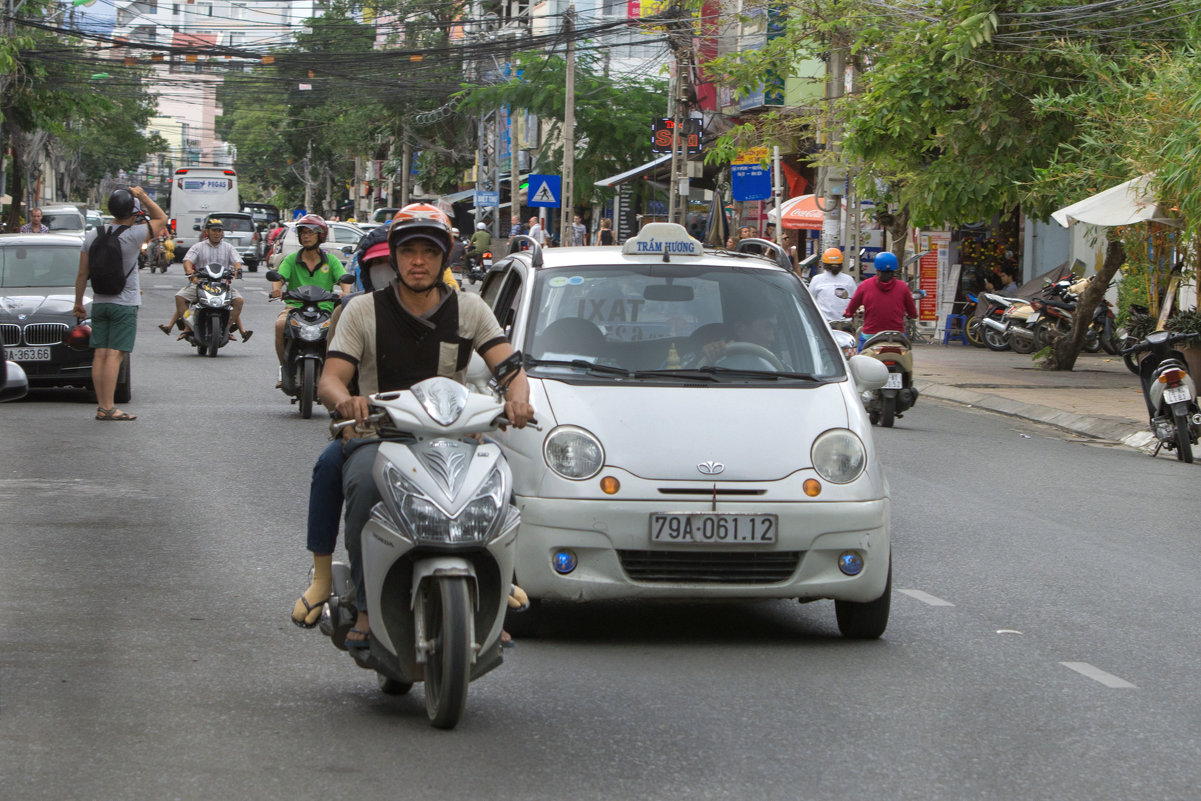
{"x": 27, "y": 304}
{"x": 664, "y": 433}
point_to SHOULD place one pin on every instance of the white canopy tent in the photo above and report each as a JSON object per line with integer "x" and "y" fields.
{"x": 1124, "y": 204}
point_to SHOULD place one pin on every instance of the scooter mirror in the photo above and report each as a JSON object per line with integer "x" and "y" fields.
{"x": 273, "y": 275}
{"x": 869, "y": 374}
{"x": 346, "y": 279}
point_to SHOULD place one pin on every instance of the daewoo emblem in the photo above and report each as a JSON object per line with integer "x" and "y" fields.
{"x": 711, "y": 468}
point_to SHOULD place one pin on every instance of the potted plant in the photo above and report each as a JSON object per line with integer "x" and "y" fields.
{"x": 1189, "y": 322}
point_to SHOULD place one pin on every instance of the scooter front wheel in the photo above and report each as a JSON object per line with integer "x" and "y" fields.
{"x": 308, "y": 388}
{"x": 446, "y": 607}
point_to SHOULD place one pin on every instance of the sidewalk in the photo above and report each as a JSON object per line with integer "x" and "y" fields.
{"x": 1100, "y": 398}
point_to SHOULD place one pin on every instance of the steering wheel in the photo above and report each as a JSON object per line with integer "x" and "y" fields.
{"x": 751, "y": 349}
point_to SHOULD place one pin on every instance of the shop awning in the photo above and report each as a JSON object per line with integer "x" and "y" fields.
{"x": 629, "y": 175}
{"x": 1124, "y": 204}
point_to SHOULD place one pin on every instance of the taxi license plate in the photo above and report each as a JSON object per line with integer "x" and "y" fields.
{"x": 713, "y": 529}
{"x": 28, "y": 354}
{"x": 1176, "y": 394}
{"x": 894, "y": 381}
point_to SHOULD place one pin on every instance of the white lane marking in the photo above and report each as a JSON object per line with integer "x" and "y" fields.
{"x": 1008, "y": 631}
{"x": 925, "y": 598}
{"x": 1096, "y": 674}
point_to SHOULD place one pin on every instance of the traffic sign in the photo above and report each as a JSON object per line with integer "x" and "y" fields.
{"x": 750, "y": 182}
{"x": 545, "y": 190}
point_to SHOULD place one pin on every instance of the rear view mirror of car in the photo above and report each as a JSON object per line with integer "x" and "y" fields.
{"x": 15, "y": 384}
{"x": 668, "y": 292}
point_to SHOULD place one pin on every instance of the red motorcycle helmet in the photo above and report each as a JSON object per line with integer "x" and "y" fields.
{"x": 79, "y": 337}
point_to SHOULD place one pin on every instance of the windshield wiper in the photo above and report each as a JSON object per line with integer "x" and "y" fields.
{"x": 691, "y": 374}
{"x": 581, "y": 364}
{"x": 771, "y": 374}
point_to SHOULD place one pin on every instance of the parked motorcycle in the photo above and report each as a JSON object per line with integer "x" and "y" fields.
{"x": 1056, "y": 311}
{"x": 1170, "y": 393}
{"x": 306, "y": 336}
{"x": 996, "y": 320}
{"x": 209, "y": 316}
{"x": 894, "y": 350}
{"x": 438, "y": 551}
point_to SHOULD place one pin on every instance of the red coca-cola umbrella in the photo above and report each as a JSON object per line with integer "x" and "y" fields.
{"x": 800, "y": 212}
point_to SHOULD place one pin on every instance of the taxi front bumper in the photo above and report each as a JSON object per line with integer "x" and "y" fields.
{"x": 616, "y": 559}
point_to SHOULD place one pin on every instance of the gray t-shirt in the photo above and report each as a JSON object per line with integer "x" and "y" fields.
{"x": 131, "y": 242}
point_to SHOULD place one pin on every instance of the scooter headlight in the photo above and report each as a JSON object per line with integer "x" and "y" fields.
{"x": 311, "y": 333}
{"x": 425, "y": 521}
{"x": 838, "y": 456}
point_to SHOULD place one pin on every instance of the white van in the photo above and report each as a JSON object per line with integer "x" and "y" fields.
{"x": 196, "y": 193}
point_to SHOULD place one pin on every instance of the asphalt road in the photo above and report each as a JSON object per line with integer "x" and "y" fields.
{"x": 1041, "y": 645}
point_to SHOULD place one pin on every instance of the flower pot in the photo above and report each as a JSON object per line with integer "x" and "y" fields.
{"x": 1192, "y": 357}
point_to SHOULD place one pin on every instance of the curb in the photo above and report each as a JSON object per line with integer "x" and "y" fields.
{"x": 1099, "y": 427}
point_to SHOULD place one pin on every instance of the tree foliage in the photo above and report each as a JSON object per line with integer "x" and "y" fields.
{"x": 613, "y": 115}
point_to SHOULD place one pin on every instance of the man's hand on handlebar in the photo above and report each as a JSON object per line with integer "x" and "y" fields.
{"x": 353, "y": 407}
{"x": 519, "y": 413}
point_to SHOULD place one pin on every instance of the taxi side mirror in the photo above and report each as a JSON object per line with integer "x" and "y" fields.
{"x": 869, "y": 374}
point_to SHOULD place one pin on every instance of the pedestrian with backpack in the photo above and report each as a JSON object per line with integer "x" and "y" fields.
{"x": 109, "y": 260}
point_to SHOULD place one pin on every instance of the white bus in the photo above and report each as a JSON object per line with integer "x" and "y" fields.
{"x": 196, "y": 193}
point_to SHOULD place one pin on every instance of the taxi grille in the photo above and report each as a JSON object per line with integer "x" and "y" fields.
{"x": 45, "y": 333}
{"x": 710, "y": 567}
{"x": 10, "y": 334}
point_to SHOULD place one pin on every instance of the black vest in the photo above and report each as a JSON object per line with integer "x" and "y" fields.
{"x": 408, "y": 348}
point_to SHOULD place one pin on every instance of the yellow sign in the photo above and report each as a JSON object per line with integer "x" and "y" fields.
{"x": 754, "y": 155}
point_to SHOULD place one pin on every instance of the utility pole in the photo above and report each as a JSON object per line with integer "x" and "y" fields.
{"x": 308, "y": 178}
{"x": 406, "y": 166}
{"x": 677, "y": 41}
{"x": 566, "y": 231}
{"x": 831, "y": 204}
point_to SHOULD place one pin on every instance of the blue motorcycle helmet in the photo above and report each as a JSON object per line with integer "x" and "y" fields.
{"x": 886, "y": 262}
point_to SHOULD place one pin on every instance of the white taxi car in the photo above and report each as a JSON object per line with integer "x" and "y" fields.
{"x": 702, "y": 434}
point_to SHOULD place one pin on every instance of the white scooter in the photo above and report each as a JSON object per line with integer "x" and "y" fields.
{"x": 438, "y": 550}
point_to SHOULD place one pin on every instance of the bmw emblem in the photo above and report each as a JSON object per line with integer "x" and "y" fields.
{"x": 711, "y": 468}
{"x": 22, "y": 316}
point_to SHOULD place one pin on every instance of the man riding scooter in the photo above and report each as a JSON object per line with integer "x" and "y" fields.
{"x": 213, "y": 249}
{"x": 886, "y": 301}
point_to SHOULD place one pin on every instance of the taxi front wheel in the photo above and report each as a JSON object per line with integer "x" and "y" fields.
{"x": 865, "y": 621}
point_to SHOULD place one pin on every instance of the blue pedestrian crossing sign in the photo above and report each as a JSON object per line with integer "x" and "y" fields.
{"x": 544, "y": 190}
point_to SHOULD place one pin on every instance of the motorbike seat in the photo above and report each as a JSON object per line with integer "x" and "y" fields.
{"x": 1060, "y": 304}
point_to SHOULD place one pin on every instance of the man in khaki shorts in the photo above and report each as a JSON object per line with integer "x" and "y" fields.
{"x": 115, "y": 317}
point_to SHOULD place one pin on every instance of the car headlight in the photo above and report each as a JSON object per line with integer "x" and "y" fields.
{"x": 573, "y": 453}
{"x": 424, "y": 520}
{"x": 838, "y": 456}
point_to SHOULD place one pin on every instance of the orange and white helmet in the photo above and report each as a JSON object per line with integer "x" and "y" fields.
{"x": 422, "y": 221}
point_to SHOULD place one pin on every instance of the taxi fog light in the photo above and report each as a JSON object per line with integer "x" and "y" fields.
{"x": 850, "y": 563}
{"x": 564, "y": 561}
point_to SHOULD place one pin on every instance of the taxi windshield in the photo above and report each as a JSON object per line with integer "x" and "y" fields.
{"x": 681, "y": 319}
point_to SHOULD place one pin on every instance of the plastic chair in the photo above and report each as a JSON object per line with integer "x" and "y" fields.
{"x": 955, "y": 327}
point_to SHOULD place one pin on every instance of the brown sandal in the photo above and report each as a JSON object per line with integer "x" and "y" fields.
{"x": 114, "y": 414}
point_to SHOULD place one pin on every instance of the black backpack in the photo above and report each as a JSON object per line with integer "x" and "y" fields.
{"x": 105, "y": 262}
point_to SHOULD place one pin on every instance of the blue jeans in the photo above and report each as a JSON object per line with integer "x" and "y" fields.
{"x": 325, "y": 499}
{"x": 361, "y": 495}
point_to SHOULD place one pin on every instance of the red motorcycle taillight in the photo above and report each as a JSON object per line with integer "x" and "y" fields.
{"x": 1172, "y": 377}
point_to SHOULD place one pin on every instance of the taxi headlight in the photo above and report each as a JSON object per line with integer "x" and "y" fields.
{"x": 838, "y": 456}
{"x": 573, "y": 453}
